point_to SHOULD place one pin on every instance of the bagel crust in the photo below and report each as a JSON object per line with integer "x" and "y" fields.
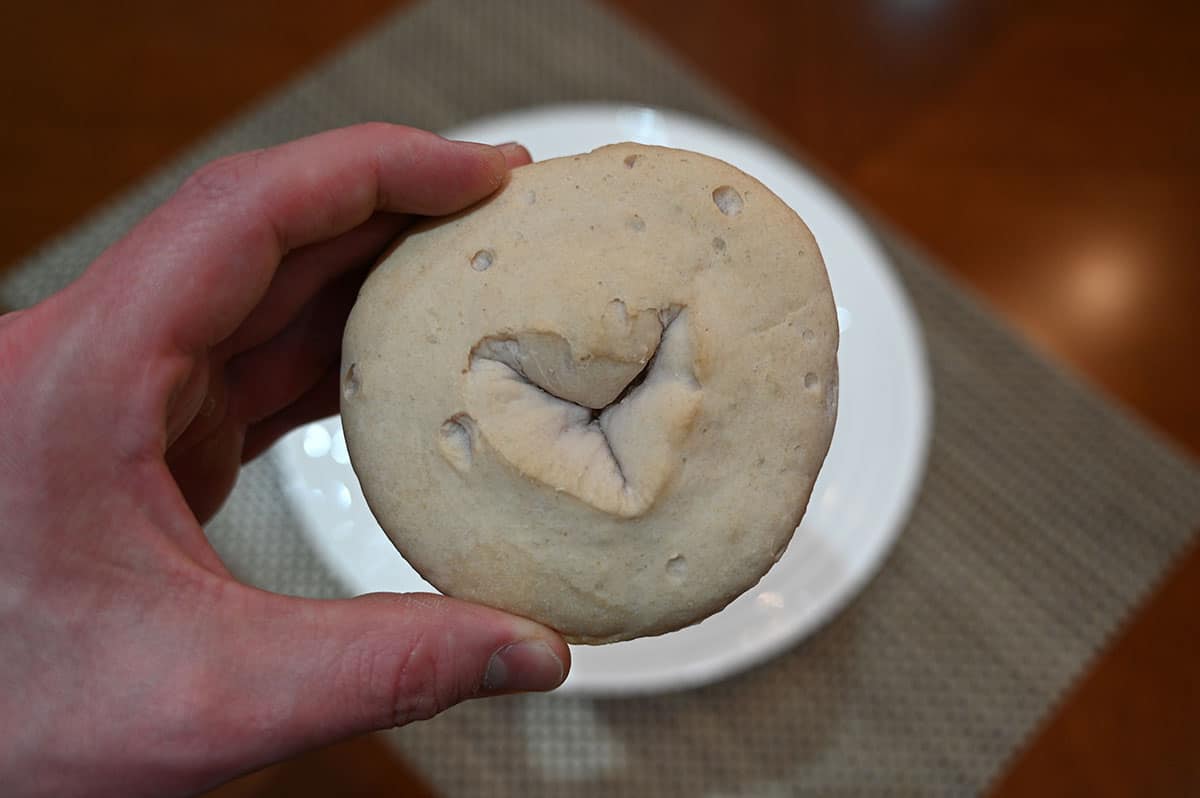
{"x": 600, "y": 398}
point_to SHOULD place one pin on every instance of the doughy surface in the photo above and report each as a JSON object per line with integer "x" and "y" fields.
{"x": 600, "y": 398}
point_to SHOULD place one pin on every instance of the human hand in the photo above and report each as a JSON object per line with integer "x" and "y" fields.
{"x": 131, "y": 661}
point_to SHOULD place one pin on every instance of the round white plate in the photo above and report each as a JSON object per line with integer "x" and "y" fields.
{"x": 861, "y": 499}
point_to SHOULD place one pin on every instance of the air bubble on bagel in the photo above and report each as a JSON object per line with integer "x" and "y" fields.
{"x": 456, "y": 441}
{"x": 728, "y": 200}
{"x": 483, "y": 260}
{"x": 350, "y": 382}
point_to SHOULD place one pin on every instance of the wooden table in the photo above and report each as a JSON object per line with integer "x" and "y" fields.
{"x": 1048, "y": 153}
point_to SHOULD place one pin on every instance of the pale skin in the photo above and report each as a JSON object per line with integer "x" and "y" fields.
{"x": 132, "y": 663}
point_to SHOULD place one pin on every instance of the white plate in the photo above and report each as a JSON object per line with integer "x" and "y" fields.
{"x": 861, "y": 499}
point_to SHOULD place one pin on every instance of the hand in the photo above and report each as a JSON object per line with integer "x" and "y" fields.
{"x": 131, "y": 662}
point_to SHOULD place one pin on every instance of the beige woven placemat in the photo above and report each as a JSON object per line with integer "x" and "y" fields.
{"x": 1045, "y": 516}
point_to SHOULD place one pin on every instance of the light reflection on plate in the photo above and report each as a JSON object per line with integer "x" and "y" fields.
{"x": 860, "y": 501}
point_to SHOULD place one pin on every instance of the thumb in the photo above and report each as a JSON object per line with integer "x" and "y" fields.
{"x": 311, "y": 672}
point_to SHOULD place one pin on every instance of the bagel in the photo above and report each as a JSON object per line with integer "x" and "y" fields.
{"x": 601, "y": 397}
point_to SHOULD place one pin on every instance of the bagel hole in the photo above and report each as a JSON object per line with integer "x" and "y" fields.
{"x": 631, "y": 161}
{"x": 636, "y": 224}
{"x": 573, "y": 420}
{"x": 728, "y": 200}
{"x": 811, "y": 380}
{"x": 677, "y": 566}
{"x": 808, "y": 335}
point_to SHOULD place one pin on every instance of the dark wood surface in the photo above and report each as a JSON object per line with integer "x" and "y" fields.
{"x": 1047, "y": 153}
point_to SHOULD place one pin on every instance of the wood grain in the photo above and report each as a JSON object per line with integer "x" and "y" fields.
{"x": 363, "y": 767}
{"x": 97, "y": 94}
{"x": 1047, "y": 153}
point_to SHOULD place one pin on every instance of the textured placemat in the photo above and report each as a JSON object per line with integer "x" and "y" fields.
{"x": 1045, "y": 516}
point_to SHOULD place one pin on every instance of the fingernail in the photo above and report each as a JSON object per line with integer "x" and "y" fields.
{"x": 512, "y": 149}
{"x": 529, "y": 665}
{"x": 474, "y": 145}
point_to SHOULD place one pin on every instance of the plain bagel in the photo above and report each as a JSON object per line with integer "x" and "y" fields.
{"x": 600, "y": 398}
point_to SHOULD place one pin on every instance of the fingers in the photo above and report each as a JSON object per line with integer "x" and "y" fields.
{"x": 206, "y": 470}
{"x": 267, "y": 378}
{"x": 305, "y": 272}
{"x": 194, "y": 268}
{"x": 305, "y": 673}
{"x": 318, "y": 402}
{"x": 515, "y": 154}
{"x": 302, "y": 274}
{"x": 294, "y": 282}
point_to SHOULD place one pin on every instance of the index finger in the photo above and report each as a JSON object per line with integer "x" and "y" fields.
{"x": 192, "y": 270}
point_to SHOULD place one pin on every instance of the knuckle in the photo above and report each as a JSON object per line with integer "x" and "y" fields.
{"x": 222, "y": 178}
{"x": 417, "y": 688}
{"x": 422, "y": 681}
{"x": 378, "y": 128}
{"x": 393, "y": 687}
